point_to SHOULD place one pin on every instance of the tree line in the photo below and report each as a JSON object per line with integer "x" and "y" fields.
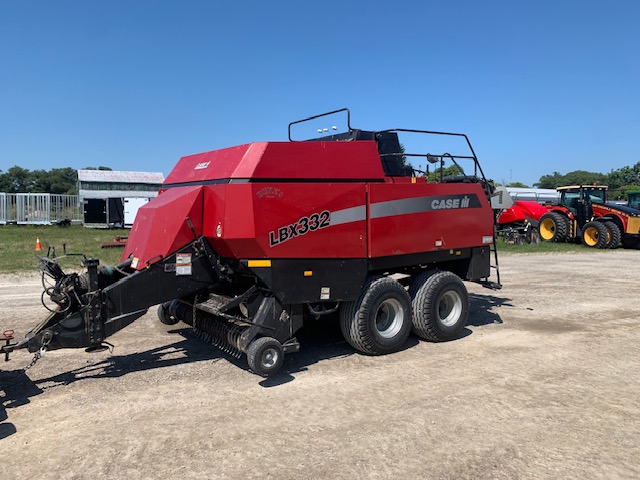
{"x": 62, "y": 181}
{"x": 619, "y": 181}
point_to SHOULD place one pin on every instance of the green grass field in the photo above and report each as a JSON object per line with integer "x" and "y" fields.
{"x": 18, "y": 246}
{"x": 543, "y": 247}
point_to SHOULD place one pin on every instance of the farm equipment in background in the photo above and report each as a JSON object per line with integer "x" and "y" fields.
{"x": 633, "y": 199}
{"x": 247, "y": 243}
{"x": 518, "y": 224}
{"x": 584, "y": 215}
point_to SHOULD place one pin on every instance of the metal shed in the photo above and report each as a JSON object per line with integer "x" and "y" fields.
{"x": 112, "y": 198}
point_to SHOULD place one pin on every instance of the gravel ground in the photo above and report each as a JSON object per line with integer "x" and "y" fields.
{"x": 543, "y": 383}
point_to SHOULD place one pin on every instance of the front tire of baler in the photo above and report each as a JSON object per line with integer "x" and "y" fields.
{"x": 440, "y": 306}
{"x": 379, "y": 322}
{"x": 265, "y": 356}
{"x": 164, "y": 315}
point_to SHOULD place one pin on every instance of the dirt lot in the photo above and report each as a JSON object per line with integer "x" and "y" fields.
{"x": 544, "y": 383}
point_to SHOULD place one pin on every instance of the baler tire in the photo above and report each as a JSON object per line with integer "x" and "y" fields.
{"x": 595, "y": 235}
{"x": 419, "y": 281}
{"x": 614, "y": 234}
{"x": 265, "y": 356}
{"x": 440, "y": 306}
{"x": 552, "y": 227}
{"x": 379, "y": 322}
{"x": 164, "y": 315}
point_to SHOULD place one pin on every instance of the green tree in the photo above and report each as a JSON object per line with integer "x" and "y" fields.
{"x": 550, "y": 181}
{"x": 577, "y": 177}
{"x": 15, "y": 180}
{"x": 621, "y": 177}
{"x": 56, "y": 181}
{"x": 451, "y": 171}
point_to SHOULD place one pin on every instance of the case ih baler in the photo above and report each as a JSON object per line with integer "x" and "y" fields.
{"x": 246, "y": 243}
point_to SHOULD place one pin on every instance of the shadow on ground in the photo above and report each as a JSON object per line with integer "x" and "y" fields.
{"x": 483, "y": 309}
{"x": 16, "y": 389}
{"x": 320, "y": 340}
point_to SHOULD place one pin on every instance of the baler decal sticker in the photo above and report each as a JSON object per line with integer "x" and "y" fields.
{"x": 424, "y": 204}
{"x": 303, "y": 226}
{"x": 389, "y": 208}
{"x": 348, "y": 215}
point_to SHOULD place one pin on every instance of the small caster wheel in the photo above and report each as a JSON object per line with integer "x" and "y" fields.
{"x": 265, "y": 356}
{"x": 164, "y": 315}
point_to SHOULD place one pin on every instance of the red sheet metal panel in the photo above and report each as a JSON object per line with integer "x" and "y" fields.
{"x": 321, "y": 160}
{"x": 421, "y": 217}
{"x": 161, "y": 227}
{"x": 286, "y": 220}
{"x": 215, "y": 165}
{"x": 282, "y": 160}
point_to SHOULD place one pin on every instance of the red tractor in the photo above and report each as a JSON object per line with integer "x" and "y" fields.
{"x": 248, "y": 243}
{"x": 584, "y": 215}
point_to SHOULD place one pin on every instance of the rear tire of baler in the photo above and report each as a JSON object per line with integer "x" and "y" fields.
{"x": 595, "y": 235}
{"x": 379, "y": 322}
{"x": 265, "y": 356}
{"x": 553, "y": 227}
{"x": 614, "y": 234}
{"x": 440, "y": 306}
{"x": 164, "y": 315}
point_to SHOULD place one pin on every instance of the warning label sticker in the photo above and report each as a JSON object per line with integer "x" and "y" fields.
{"x": 183, "y": 264}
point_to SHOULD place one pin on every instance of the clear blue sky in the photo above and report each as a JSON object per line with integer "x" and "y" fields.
{"x": 539, "y": 86}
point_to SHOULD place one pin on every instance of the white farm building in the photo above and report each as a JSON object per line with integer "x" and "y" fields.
{"x": 112, "y": 198}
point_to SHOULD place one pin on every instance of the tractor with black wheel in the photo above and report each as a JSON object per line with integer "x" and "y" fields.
{"x": 583, "y": 214}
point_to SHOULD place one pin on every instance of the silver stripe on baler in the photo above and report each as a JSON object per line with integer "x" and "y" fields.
{"x": 348, "y": 215}
{"x": 403, "y": 206}
{"x": 407, "y": 206}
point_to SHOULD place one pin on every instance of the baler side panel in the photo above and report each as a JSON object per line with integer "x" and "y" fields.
{"x": 217, "y": 164}
{"x": 215, "y": 201}
{"x": 230, "y": 223}
{"x": 281, "y": 160}
{"x": 287, "y": 220}
{"x": 161, "y": 227}
{"x": 429, "y": 217}
{"x": 312, "y": 221}
{"x": 318, "y": 160}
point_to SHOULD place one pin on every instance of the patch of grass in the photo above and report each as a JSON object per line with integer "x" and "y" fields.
{"x": 18, "y": 242}
{"x": 18, "y": 246}
{"x": 544, "y": 247}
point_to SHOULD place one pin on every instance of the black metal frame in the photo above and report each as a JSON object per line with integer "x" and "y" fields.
{"x": 319, "y": 116}
{"x": 106, "y": 310}
{"x": 376, "y": 135}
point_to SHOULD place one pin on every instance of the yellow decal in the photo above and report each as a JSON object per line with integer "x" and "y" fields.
{"x": 259, "y": 263}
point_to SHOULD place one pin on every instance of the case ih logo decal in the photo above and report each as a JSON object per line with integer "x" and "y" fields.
{"x": 447, "y": 203}
{"x": 423, "y": 204}
{"x": 303, "y": 226}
